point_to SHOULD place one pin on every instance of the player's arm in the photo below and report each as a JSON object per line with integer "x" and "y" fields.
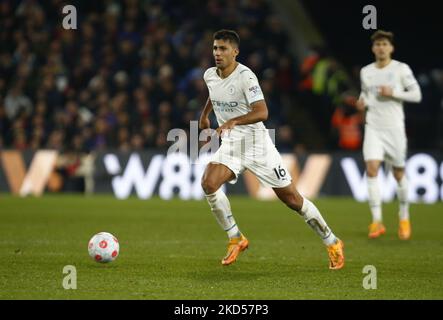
{"x": 413, "y": 94}
{"x": 204, "y": 122}
{"x": 361, "y": 102}
{"x": 259, "y": 112}
{"x": 410, "y": 92}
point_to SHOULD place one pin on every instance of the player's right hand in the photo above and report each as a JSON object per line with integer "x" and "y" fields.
{"x": 204, "y": 123}
{"x": 360, "y": 104}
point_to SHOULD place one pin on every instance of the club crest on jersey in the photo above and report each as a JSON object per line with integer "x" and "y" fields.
{"x": 231, "y": 89}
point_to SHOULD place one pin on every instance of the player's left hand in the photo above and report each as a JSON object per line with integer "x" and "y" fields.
{"x": 226, "y": 127}
{"x": 385, "y": 91}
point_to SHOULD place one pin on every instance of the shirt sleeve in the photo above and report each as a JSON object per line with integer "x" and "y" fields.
{"x": 412, "y": 95}
{"x": 364, "y": 88}
{"x": 407, "y": 77}
{"x": 205, "y": 75}
{"x": 410, "y": 84}
{"x": 251, "y": 87}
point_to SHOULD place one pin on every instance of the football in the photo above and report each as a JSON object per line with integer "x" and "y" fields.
{"x": 103, "y": 247}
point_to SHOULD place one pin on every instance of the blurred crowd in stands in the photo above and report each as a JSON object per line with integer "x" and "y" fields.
{"x": 133, "y": 70}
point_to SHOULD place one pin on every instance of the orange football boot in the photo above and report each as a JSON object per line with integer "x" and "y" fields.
{"x": 404, "y": 229}
{"x": 336, "y": 255}
{"x": 235, "y": 247}
{"x": 376, "y": 229}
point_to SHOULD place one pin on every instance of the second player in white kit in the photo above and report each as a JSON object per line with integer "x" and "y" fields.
{"x": 385, "y": 85}
{"x": 239, "y": 105}
{"x": 385, "y": 135}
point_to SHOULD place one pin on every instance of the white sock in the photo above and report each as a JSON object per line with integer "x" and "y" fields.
{"x": 314, "y": 219}
{"x": 221, "y": 209}
{"x": 374, "y": 199}
{"x": 402, "y": 195}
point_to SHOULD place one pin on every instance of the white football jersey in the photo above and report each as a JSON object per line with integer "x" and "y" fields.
{"x": 232, "y": 97}
{"x": 384, "y": 112}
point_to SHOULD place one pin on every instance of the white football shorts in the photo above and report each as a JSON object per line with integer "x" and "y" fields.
{"x": 388, "y": 145}
{"x": 259, "y": 156}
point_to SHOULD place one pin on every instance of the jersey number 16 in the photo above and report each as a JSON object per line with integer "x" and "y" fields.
{"x": 280, "y": 172}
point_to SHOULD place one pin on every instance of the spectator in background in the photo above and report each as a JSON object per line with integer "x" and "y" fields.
{"x": 16, "y": 102}
{"x": 347, "y": 123}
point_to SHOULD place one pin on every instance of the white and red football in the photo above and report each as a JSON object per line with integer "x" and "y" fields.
{"x": 103, "y": 247}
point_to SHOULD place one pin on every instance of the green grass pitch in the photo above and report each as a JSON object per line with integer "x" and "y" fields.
{"x": 172, "y": 250}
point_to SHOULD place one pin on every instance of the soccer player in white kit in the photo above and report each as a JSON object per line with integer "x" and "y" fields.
{"x": 239, "y": 105}
{"x": 385, "y": 85}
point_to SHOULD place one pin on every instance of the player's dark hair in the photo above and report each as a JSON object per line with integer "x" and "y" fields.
{"x": 381, "y": 34}
{"x": 227, "y": 35}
